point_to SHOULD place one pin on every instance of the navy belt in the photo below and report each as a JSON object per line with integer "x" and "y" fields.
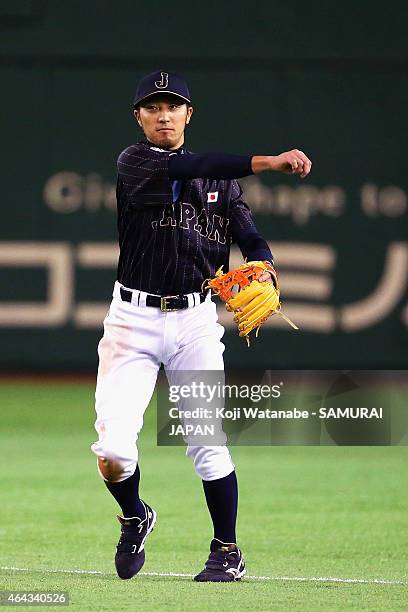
{"x": 166, "y": 303}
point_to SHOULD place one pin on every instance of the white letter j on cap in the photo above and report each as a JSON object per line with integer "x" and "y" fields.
{"x": 164, "y": 81}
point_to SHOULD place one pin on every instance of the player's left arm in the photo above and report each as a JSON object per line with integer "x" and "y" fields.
{"x": 245, "y": 234}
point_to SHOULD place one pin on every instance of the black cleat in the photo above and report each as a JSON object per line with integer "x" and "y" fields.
{"x": 225, "y": 564}
{"x": 130, "y": 554}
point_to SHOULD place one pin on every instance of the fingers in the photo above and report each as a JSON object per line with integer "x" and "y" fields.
{"x": 307, "y": 164}
{"x": 265, "y": 276}
{"x": 294, "y": 163}
{"x": 299, "y": 163}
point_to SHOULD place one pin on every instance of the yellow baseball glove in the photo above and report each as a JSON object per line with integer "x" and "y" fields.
{"x": 254, "y": 301}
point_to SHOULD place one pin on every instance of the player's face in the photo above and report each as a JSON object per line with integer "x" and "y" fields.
{"x": 163, "y": 120}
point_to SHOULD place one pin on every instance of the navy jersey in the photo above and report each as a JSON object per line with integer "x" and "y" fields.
{"x": 173, "y": 235}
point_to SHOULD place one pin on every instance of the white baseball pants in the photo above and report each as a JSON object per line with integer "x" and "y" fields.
{"x": 136, "y": 340}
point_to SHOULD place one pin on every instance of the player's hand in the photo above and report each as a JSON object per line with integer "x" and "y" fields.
{"x": 266, "y": 277}
{"x": 291, "y": 162}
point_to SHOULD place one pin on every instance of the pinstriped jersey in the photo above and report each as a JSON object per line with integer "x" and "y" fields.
{"x": 172, "y": 239}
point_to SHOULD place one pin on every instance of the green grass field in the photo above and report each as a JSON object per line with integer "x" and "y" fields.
{"x": 305, "y": 512}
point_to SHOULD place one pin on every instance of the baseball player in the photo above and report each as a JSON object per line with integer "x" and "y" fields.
{"x": 178, "y": 214}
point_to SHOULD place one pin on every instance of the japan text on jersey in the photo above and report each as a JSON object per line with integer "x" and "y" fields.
{"x": 168, "y": 244}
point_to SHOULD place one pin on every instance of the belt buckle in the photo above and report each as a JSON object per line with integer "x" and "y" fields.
{"x": 163, "y": 303}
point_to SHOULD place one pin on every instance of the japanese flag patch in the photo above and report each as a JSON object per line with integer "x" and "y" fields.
{"x": 212, "y": 196}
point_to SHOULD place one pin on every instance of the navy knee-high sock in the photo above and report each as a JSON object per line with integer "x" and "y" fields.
{"x": 222, "y": 501}
{"x": 126, "y": 494}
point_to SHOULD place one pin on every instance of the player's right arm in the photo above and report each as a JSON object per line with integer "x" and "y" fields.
{"x": 146, "y": 171}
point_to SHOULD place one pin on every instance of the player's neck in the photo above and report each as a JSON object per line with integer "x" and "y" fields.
{"x": 172, "y": 148}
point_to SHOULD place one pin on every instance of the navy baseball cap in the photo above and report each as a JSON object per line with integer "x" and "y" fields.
{"x": 161, "y": 82}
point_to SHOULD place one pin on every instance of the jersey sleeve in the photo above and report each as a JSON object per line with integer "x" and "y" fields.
{"x": 243, "y": 229}
{"x": 210, "y": 165}
{"x": 144, "y": 176}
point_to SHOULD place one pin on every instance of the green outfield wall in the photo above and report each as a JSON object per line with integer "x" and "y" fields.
{"x": 265, "y": 77}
